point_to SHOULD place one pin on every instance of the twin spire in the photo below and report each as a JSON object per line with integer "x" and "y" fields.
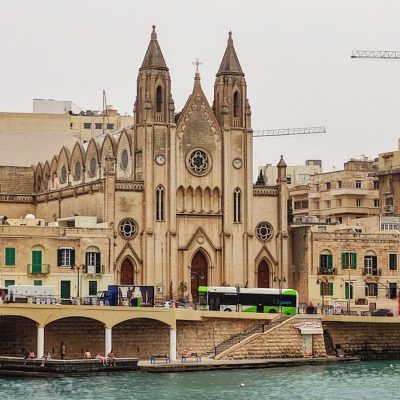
{"x": 154, "y": 58}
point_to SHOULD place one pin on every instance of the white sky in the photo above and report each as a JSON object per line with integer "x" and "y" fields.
{"x": 295, "y": 54}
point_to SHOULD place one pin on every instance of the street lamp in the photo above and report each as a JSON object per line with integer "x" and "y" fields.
{"x": 323, "y": 282}
{"x": 280, "y": 281}
{"x": 197, "y": 276}
{"x": 77, "y": 268}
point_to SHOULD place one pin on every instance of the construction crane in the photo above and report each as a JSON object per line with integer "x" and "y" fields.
{"x": 289, "y": 131}
{"x": 388, "y": 55}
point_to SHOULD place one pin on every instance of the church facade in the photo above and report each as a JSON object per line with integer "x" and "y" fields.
{"x": 175, "y": 191}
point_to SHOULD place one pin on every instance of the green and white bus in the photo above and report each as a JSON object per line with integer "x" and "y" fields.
{"x": 263, "y": 300}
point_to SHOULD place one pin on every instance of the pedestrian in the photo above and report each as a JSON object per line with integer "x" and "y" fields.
{"x": 119, "y": 297}
{"x": 129, "y": 296}
{"x": 87, "y": 355}
{"x": 111, "y": 358}
{"x": 62, "y": 350}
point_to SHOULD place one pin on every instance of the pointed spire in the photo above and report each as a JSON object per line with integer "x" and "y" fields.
{"x": 196, "y": 81}
{"x": 281, "y": 163}
{"x": 154, "y": 58}
{"x": 230, "y": 64}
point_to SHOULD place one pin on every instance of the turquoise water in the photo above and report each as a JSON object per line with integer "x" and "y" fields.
{"x": 376, "y": 380}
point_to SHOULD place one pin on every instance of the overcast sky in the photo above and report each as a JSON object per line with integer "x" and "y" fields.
{"x": 295, "y": 54}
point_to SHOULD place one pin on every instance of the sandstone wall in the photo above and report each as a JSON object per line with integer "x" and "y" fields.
{"x": 369, "y": 341}
{"x": 16, "y": 180}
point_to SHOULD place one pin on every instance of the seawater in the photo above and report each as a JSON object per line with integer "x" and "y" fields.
{"x": 377, "y": 380}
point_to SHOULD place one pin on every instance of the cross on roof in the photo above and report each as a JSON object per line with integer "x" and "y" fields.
{"x": 197, "y": 63}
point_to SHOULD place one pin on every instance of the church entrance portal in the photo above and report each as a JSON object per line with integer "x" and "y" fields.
{"x": 127, "y": 272}
{"x": 198, "y": 275}
{"x": 263, "y": 275}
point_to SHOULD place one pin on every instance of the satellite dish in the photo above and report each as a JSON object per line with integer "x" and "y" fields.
{"x": 29, "y": 216}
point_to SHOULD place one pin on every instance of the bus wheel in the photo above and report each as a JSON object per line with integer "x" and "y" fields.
{"x": 272, "y": 312}
{"x": 227, "y": 309}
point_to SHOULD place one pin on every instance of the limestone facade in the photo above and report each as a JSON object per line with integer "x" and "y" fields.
{"x": 176, "y": 190}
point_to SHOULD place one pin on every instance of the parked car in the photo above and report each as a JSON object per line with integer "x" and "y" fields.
{"x": 382, "y": 312}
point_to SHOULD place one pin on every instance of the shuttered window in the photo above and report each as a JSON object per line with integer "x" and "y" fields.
{"x": 10, "y": 257}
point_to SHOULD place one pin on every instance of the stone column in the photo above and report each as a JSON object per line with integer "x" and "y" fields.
{"x": 40, "y": 342}
{"x": 172, "y": 344}
{"x": 108, "y": 340}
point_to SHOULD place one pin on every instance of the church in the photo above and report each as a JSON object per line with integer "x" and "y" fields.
{"x": 173, "y": 197}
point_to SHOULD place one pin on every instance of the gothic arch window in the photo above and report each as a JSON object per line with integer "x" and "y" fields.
{"x": 237, "y": 204}
{"x": 159, "y": 99}
{"x": 160, "y": 203}
{"x": 236, "y": 105}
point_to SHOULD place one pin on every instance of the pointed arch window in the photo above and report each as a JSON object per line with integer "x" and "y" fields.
{"x": 236, "y": 105}
{"x": 160, "y": 203}
{"x": 159, "y": 99}
{"x": 237, "y": 200}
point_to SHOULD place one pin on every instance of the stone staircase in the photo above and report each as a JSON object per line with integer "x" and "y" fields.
{"x": 239, "y": 337}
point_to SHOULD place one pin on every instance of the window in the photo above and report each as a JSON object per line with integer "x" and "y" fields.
{"x": 71, "y": 125}
{"x": 63, "y": 174}
{"x": 300, "y": 204}
{"x": 370, "y": 265}
{"x": 128, "y": 228}
{"x": 349, "y": 260}
{"x": 9, "y": 282}
{"x": 393, "y": 261}
{"x": 339, "y": 184}
{"x": 36, "y": 261}
{"x": 10, "y": 257}
{"x": 317, "y": 188}
{"x": 110, "y": 126}
{"x": 325, "y": 263}
{"x": 326, "y": 288}
{"x": 93, "y": 261}
{"x": 328, "y": 204}
{"x": 328, "y": 186}
{"x": 124, "y": 159}
{"x": 376, "y": 185}
{"x": 37, "y": 282}
{"x": 159, "y": 99}
{"x": 289, "y": 179}
{"x": 347, "y": 286}
{"x": 160, "y": 203}
{"x": 321, "y": 228}
{"x": 303, "y": 178}
{"x": 236, "y": 105}
{"x": 358, "y": 202}
{"x": 77, "y": 170}
{"x": 237, "y": 205}
{"x": 92, "y": 167}
{"x": 328, "y": 220}
{"x": 264, "y": 231}
{"x": 65, "y": 257}
{"x": 392, "y": 290}
{"x": 358, "y": 184}
{"x": 376, "y": 202}
{"x": 98, "y": 125}
{"x": 386, "y": 227}
{"x": 339, "y": 202}
{"x": 87, "y": 125}
{"x": 339, "y": 220}
{"x": 371, "y": 289}
{"x": 92, "y": 288}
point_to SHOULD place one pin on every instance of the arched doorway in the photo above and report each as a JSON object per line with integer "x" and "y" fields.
{"x": 127, "y": 275}
{"x": 263, "y": 275}
{"x": 198, "y": 275}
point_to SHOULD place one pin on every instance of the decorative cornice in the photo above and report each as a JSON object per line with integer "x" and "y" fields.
{"x": 129, "y": 186}
{"x": 270, "y": 191}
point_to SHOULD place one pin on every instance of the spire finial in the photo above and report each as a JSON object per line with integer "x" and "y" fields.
{"x": 197, "y": 63}
{"x": 153, "y": 33}
{"x": 230, "y": 40}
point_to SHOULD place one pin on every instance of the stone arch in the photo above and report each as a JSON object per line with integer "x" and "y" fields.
{"x": 215, "y": 201}
{"x": 198, "y": 194}
{"x": 124, "y": 157}
{"x": 17, "y": 332}
{"x": 199, "y": 265}
{"x": 127, "y": 271}
{"x": 207, "y": 200}
{"x": 180, "y": 199}
{"x": 189, "y": 199}
{"x": 77, "y": 333}
{"x": 92, "y": 168}
{"x": 63, "y": 168}
{"x": 53, "y": 172}
{"x": 108, "y": 147}
{"x": 264, "y": 274}
{"x": 77, "y": 164}
{"x": 46, "y": 176}
{"x": 39, "y": 178}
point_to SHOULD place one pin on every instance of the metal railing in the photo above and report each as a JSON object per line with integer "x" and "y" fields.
{"x": 327, "y": 271}
{"x": 38, "y": 269}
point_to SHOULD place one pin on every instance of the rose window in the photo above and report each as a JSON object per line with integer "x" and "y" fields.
{"x": 199, "y": 162}
{"x": 264, "y": 231}
{"x": 128, "y": 228}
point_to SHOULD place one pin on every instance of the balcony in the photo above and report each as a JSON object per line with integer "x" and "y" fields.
{"x": 327, "y": 271}
{"x": 94, "y": 269}
{"x": 38, "y": 269}
{"x": 388, "y": 209}
{"x": 372, "y": 271}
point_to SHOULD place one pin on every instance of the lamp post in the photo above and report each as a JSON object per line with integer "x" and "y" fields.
{"x": 77, "y": 268}
{"x": 324, "y": 281}
{"x": 197, "y": 276}
{"x": 280, "y": 281}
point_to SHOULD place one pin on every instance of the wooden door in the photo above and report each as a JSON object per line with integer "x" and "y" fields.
{"x": 127, "y": 272}
{"x": 65, "y": 289}
{"x": 198, "y": 274}
{"x": 263, "y": 275}
{"x": 36, "y": 261}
